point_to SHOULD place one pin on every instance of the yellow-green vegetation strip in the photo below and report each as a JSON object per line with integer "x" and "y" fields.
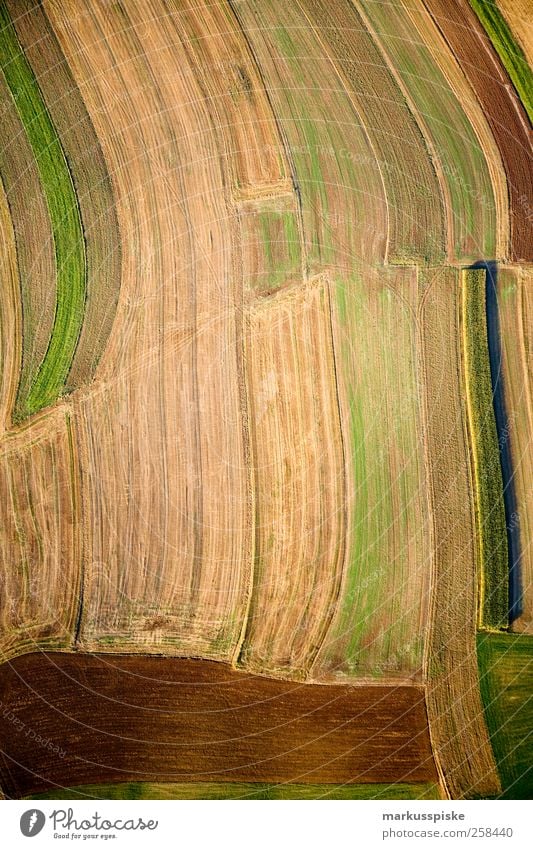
{"x": 142, "y": 790}
{"x": 510, "y": 53}
{"x": 49, "y": 380}
{"x": 488, "y": 480}
{"x": 506, "y": 679}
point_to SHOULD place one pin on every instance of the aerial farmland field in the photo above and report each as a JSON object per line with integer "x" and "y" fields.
{"x": 266, "y": 399}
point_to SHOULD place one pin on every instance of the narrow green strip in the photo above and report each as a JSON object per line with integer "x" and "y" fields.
{"x": 506, "y": 679}
{"x": 508, "y": 50}
{"x": 488, "y": 481}
{"x": 141, "y": 790}
{"x": 49, "y": 381}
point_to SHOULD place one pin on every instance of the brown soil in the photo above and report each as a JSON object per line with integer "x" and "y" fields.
{"x": 159, "y": 719}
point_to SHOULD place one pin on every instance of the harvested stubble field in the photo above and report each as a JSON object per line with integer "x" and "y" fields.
{"x": 247, "y": 417}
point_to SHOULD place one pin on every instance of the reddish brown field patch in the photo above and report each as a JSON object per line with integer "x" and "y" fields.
{"x": 116, "y": 718}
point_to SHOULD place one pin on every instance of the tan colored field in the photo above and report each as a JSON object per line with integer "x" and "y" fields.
{"x": 39, "y": 537}
{"x": 162, "y": 507}
{"x": 459, "y": 735}
{"x": 516, "y": 324}
{"x": 270, "y": 241}
{"x": 455, "y": 131}
{"x": 10, "y": 341}
{"x": 259, "y": 449}
{"x": 414, "y": 203}
{"x": 299, "y": 478}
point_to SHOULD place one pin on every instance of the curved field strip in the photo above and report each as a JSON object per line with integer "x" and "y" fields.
{"x": 459, "y": 736}
{"x": 474, "y": 150}
{"x": 505, "y": 114}
{"x": 519, "y": 16}
{"x": 39, "y": 537}
{"x": 121, "y": 719}
{"x": 335, "y": 166}
{"x": 10, "y": 317}
{"x": 488, "y": 482}
{"x": 169, "y": 550}
{"x": 515, "y": 307}
{"x": 379, "y": 623}
{"x": 416, "y": 217}
{"x": 510, "y": 54}
{"x": 90, "y": 179}
{"x": 406, "y": 38}
{"x": 254, "y": 154}
{"x": 140, "y": 593}
{"x": 35, "y": 255}
{"x": 48, "y": 380}
{"x": 476, "y": 136}
{"x": 299, "y": 481}
{"x": 250, "y": 790}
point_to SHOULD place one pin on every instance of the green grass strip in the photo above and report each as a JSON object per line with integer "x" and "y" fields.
{"x": 142, "y": 790}
{"x": 49, "y": 380}
{"x": 488, "y": 480}
{"x": 508, "y": 50}
{"x": 506, "y": 678}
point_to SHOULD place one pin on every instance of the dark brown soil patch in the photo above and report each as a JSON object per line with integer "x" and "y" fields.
{"x": 112, "y": 718}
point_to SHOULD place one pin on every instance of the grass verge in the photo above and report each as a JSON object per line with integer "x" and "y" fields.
{"x": 142, "y": 790}
{"x": 506, "y": 678}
